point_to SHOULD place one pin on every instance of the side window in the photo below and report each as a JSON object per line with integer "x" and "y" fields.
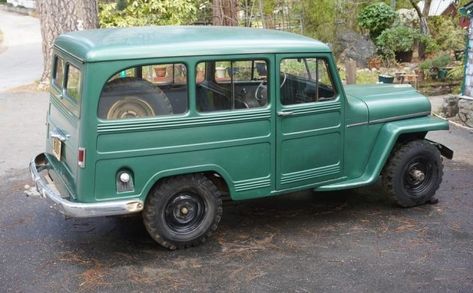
{"x": 73, "y": 83}
{"x": 226, "y": 85}
{"x": 58, "y": 73}
{"x": 305, "y": 80}
{"x": 145, "y": 91}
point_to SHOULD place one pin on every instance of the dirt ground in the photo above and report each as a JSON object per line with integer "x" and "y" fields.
{"x": 350, "y": 241}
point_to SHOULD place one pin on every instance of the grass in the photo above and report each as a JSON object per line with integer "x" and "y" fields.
{"x": 363, "y": 76}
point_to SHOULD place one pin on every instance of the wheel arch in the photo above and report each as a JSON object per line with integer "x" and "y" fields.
{"x": 389, "y": 134}
{"x": 215, "y": 173}
{"x": 402, "y": 131}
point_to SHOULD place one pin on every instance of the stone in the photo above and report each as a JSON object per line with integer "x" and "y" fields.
{"x": 450, "y": 106}
{"x": 357, "y": 47}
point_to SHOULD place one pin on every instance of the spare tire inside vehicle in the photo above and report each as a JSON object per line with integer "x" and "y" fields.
{"x": 130, "y": 97}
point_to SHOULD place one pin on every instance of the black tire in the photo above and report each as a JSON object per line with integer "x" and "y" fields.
{"x": 413, "y": 173}
{"x": 136, "y": 90}
{"x": 173, "y": 227}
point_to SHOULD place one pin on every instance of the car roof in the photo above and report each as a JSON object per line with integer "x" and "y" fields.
{"x": 171, "y": 41}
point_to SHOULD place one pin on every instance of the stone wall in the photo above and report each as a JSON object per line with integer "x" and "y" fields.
{"x": 469, "y": 66}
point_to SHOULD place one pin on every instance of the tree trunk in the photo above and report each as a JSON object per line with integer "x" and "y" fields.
{"x": 60, "y": 16}
{"x": 225, "y": 12}
{"x": 424, "y": 28}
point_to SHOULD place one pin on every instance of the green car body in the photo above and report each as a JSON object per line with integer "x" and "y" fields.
{"x": 270, "y": 149}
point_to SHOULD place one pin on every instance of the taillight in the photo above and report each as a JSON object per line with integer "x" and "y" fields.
{"x": 81, "y": 157}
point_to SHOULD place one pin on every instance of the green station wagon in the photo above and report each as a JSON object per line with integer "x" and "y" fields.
{"x": 167, "y": 120}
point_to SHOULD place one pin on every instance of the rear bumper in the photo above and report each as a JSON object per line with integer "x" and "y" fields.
{"x": 39, "y": 169}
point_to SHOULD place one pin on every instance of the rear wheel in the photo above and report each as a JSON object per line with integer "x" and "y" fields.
{"x": 182, "y": 211}
{"x": 413, "y": 173}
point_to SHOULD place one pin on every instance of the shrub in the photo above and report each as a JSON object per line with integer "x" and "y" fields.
{"x": 396, "y": 39}
{"x": 376, "y": 18}
{"x": 447, "y": 34}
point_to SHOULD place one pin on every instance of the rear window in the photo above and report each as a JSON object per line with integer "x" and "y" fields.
{"x": 73, "y": 83}
{"x": 67, "y": 80}
{"x": 58, "y": 76}
{"x": 146, "y": 91}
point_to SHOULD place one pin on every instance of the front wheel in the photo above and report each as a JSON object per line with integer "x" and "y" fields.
{"x": 182, "y": 211}
{"x": 413, "y": 173}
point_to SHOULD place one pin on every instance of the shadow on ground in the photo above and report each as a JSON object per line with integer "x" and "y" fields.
{"x": 346, "y": 241}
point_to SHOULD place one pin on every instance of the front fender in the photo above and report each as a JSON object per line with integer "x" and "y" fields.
{"x": 383, "y": 146}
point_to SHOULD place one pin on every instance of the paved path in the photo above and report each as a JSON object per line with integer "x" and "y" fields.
{"x": 22, "y": 112}
{"x": 21, "y": 59}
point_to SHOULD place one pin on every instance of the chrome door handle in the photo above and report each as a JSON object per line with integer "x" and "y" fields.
{"x": 59, "y": 134}
{"x": 284, "y": 114}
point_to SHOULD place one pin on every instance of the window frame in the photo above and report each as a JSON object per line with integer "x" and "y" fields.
{"x": 329, "y": 69}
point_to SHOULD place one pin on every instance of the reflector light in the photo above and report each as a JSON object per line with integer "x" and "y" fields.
{"x": 81, "y": 157}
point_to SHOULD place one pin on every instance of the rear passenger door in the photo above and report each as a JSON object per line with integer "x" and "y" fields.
{"x": 309, "y": 121}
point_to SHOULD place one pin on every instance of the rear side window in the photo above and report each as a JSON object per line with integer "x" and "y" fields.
{"x": 228, "y": 85}
{"x": 58, "y": 73}
{"x": 67, "y": 79}
{"x": 73, "y": 83}
{"x": 145, "y": 91}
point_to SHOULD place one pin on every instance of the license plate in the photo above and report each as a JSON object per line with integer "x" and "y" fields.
{"x": 57, "y": 147}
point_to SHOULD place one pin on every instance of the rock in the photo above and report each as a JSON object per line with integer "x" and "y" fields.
{"x": 465, "y": 111}
{"x": 450, "y": 106}
{"x": 357, "y": 47}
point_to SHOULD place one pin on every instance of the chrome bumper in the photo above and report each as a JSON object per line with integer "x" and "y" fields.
{"x": 76, "y": 209}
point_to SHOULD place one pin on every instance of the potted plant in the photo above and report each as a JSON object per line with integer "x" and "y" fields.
{"x": 440, "y": 64}
{"x": 386, "y": 78}
{"x": 425, "y": 68}
{"x": 160, "y": 71}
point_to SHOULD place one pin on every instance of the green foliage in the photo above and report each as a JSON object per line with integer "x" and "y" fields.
{"x": 456, "y": 73}
{"x": 319, "y": 19}
{"x": 441, "y": 61}
{"x": 434, "y": 64}
{"x": 376, "y": 18}
{"x": 147, "y": 12}
{"x": 363, "y": 76}
{"x": 447, "y": 34}
{"x": 396, "y": 39}
{"x": 121, "y": 4}
{"x": 426, "y": 65}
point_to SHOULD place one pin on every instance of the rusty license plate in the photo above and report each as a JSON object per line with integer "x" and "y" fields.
{"x": 57, "y": 148}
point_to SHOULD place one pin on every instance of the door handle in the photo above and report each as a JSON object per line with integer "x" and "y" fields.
{"x": 284, "y": 114}
{"x": 59, "y": 134}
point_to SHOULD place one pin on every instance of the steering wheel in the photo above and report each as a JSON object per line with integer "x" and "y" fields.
{"x": 284, "y": 80}
{"x": 259, "y": 91}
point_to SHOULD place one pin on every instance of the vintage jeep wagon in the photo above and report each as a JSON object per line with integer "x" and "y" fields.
{"x": 166, "y": 120}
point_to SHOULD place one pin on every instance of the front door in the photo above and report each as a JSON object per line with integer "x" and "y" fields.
{"x": 309, "y": 121}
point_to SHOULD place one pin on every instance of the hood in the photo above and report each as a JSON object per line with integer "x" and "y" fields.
{"x": 386, "y": 102}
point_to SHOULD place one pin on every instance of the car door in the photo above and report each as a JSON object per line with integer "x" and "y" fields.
{"x": 309, "y": 121}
